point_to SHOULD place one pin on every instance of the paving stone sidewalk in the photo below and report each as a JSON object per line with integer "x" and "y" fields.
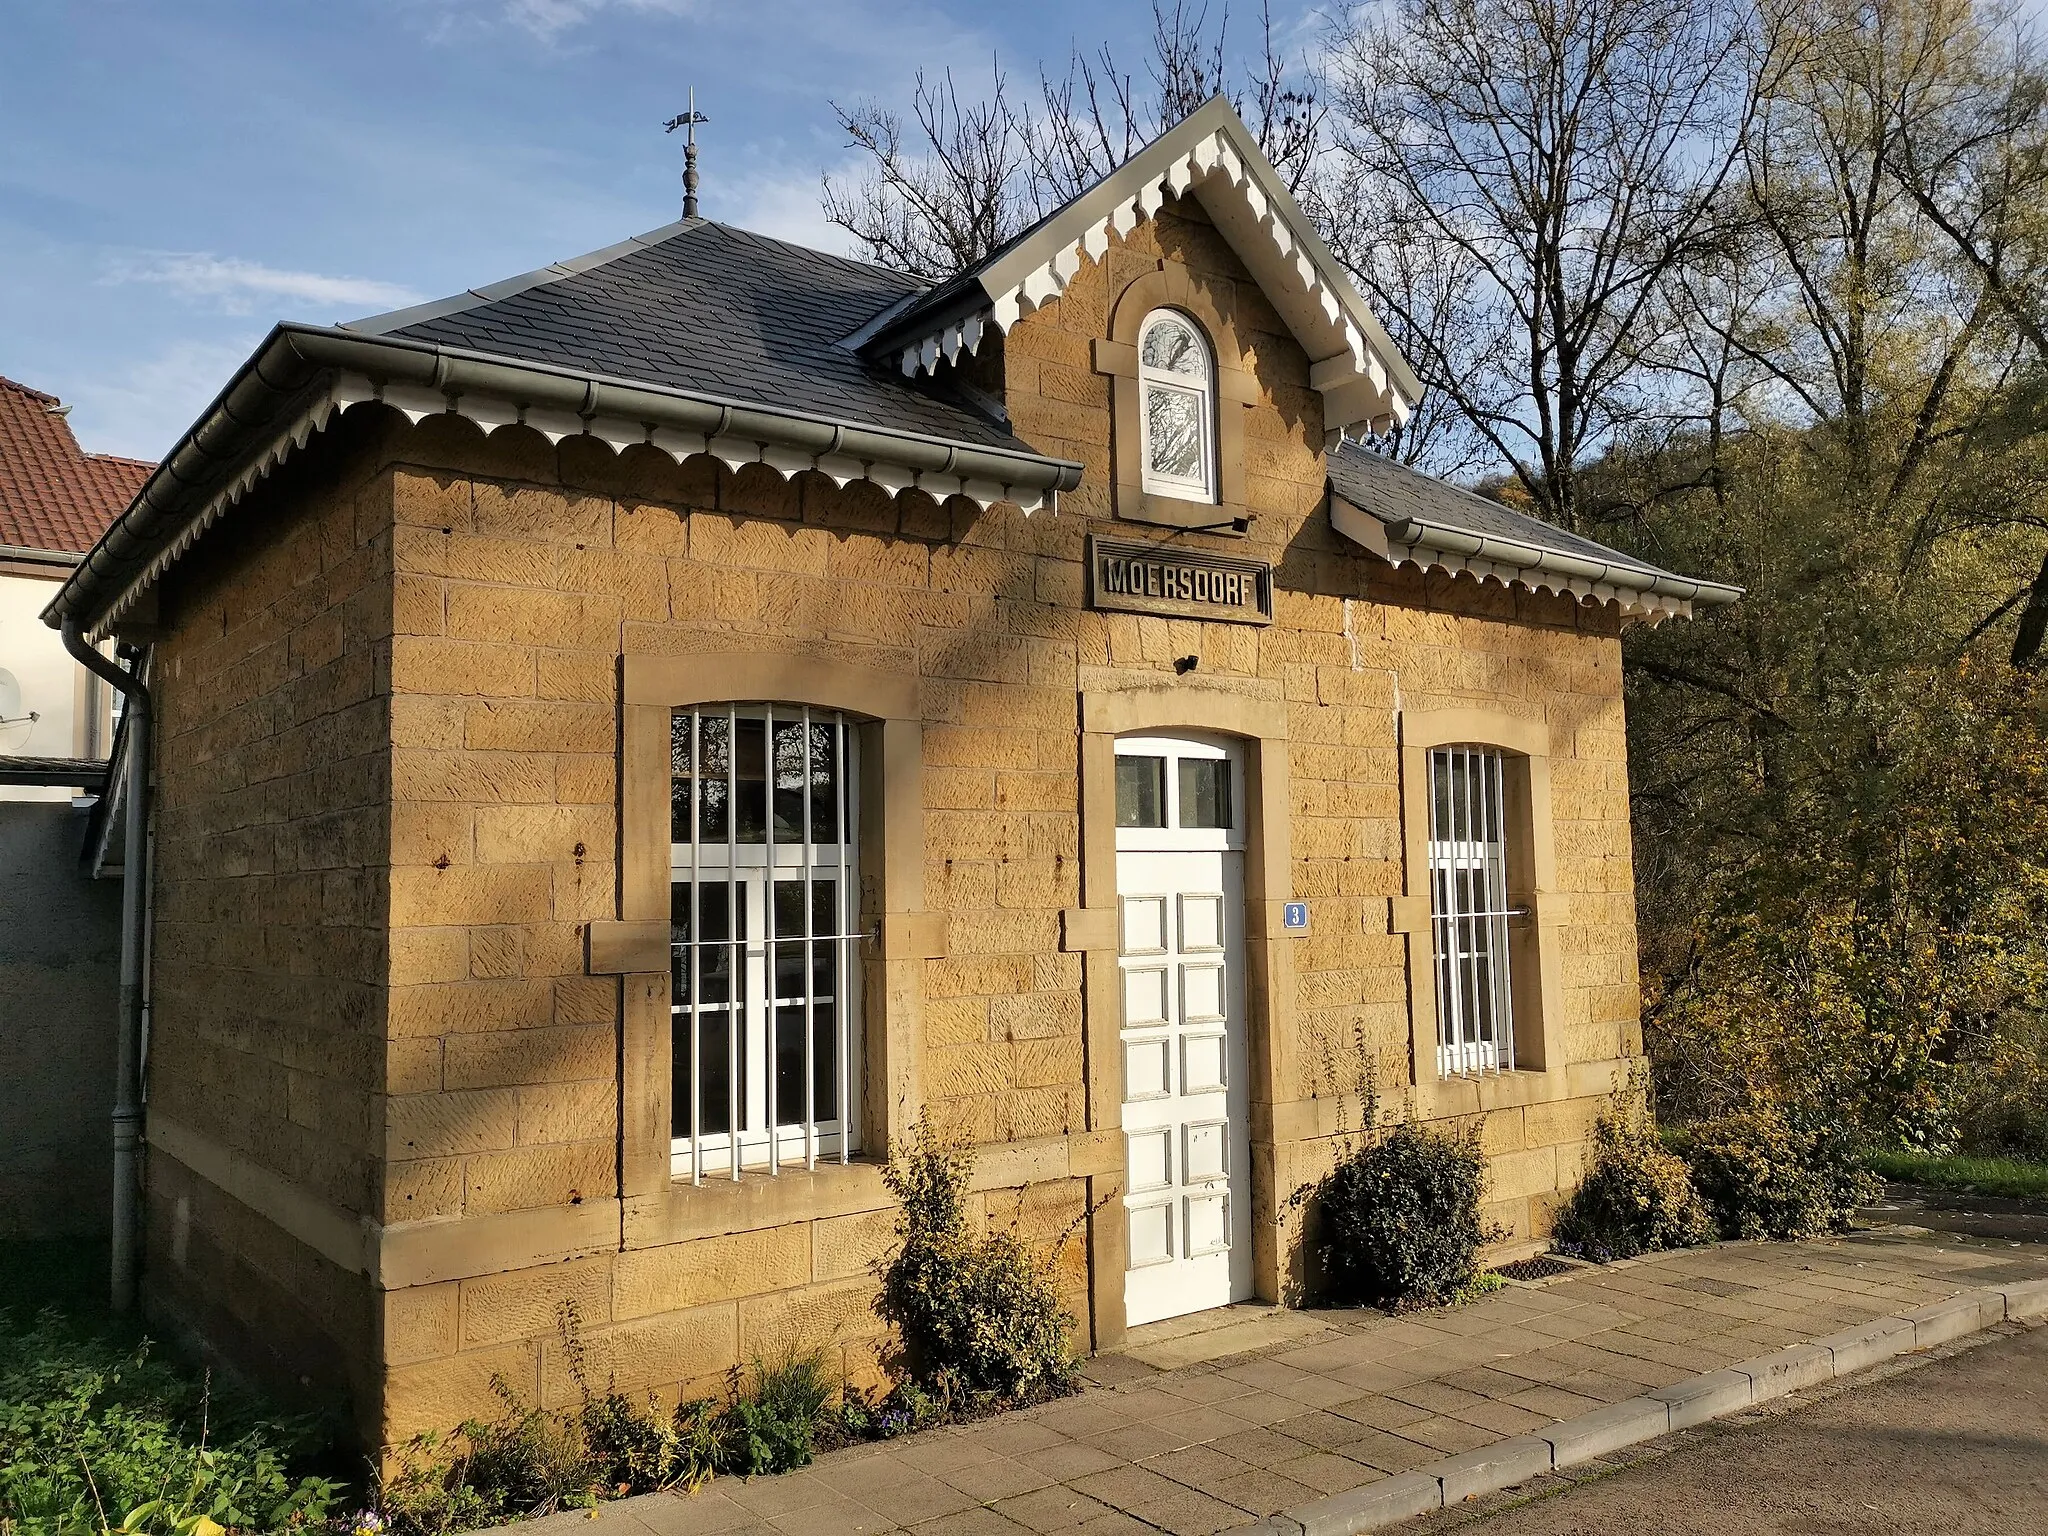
{"x": 1341, "y": 1400}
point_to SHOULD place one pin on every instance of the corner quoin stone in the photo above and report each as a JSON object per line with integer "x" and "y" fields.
{"x": 1607, "y": 1429}
{"x": 1492, "y": 1467}
{"x": 1711, "y": 1396}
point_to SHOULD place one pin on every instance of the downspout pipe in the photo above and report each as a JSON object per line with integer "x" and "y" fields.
{"x": 127, "y": 1117}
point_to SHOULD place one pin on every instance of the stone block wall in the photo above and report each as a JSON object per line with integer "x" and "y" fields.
{"x": 272, "y": 782}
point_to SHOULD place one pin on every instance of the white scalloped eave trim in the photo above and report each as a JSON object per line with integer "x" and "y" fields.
{"x": 1214, "y": 157}
{"x": 417, "y": 402}
{"x": 1649, "y": 607}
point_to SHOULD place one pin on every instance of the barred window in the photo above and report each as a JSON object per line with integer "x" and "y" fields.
{"x": 763, "y": 937}
{"x": 1177, "y": 397}
{"x": 1468, "y": 895}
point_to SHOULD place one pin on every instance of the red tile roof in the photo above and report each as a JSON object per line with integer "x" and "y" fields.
{"x": 53, "y": 494}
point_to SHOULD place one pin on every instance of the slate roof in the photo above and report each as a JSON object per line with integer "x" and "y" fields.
{"x": 1398, "y": 496}
{"x": 702, "y": 306}
{"x": 53, "y": 494}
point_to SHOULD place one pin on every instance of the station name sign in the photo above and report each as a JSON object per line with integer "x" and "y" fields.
{"x": 1178, "y": 583}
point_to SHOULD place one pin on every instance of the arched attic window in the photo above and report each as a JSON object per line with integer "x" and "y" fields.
{"x": 1177, "y": 394}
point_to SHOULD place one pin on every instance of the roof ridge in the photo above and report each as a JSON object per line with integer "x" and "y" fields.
{"x": 20, "y": 388}
{"x": 590, "y": 261}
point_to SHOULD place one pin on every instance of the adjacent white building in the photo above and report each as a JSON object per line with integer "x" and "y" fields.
{"x": 55, "y": 501}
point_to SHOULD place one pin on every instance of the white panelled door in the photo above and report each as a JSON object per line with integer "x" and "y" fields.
{"x": 1180, "y": 896}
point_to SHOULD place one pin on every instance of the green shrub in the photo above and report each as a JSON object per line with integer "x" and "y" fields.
{"x": 100, "y": 1433}
{"x": 2003, "y": 1097}
{"x": 1636, "y": 1198}
{"x": 1764, "y": 1173}
{"x": 1398, "y": 1219}
{"x": 531, "y": 1461}
{"x": 774, "y": 1428}
{"x": 980, "y": 1317}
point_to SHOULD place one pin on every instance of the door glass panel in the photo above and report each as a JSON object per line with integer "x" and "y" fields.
{"x": 1141, "y": 791}
{"x": 1205, "y": 792}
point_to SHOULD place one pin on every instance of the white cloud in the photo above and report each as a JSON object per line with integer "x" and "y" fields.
{"x": 788, "y": 207}
{"x": 141, "y": 409}
{"x": 239, "y": 286}
{"x": 548, "y": 19}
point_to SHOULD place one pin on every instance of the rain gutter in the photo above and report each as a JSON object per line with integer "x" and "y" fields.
{"x": 1440, "y": 538}
{"x": 284, "y": 371}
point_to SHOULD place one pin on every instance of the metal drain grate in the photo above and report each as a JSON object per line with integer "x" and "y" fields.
{"x": 1539, "y": 1268}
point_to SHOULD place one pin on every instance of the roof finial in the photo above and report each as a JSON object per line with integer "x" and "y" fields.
{"x": 689, "y": 120}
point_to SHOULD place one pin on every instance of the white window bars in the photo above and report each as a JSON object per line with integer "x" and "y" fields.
{"x": 764, "y": 938}
{"x": 1468, "y": 898}
{"x": 1177, "y": 396}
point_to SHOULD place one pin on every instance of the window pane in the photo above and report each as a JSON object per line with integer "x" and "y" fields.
{"x": 1204, "y": 792}
{"x": 682, "y": 775}
{"x": 1173, "y": 432}
{"x": 824, "y": 783}
{"x": 712, "y": 973}
{"x": 1171, "y": 346}
{"x": 789, "y": 1065}
{"x": 753, "y": 779}
{"x": 1141, "y": 791}
{"x": 714, "y": 752}
{"x": 789, "y": 956}
{"x": 789, "y": 781}
{"x": 714, "y": 1055}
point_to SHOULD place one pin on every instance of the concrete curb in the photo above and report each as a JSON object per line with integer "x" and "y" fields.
{"x": 1679, "y": 1406}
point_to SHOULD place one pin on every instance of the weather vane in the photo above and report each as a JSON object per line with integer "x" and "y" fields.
{"x": 689, "y": 120}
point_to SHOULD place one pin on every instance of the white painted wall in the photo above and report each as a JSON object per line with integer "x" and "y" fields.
{"x": 48, "y": 683}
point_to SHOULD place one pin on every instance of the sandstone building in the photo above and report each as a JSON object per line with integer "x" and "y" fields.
{"x": 631, "y": 740}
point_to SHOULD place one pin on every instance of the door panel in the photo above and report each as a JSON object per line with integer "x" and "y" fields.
{"x": 1186, "y": 1133}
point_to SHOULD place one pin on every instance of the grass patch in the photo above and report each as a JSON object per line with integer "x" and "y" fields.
{"x": 2004, "y": 1176}
{"x": 101, "y": 1430}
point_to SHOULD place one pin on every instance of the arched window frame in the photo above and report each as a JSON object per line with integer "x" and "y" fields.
{"x": 1157, "y": 383}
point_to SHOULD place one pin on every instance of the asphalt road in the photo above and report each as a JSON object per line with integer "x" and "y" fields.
{"x": 1953, "y": 1445}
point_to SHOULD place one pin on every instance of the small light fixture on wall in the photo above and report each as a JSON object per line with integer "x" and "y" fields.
{"x": 1183, "y": 665}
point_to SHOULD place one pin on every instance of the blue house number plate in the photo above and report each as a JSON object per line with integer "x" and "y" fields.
{"x": 1294, "y": 916}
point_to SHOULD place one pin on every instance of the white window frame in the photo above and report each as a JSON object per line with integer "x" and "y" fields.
{"x": 1469, "y": 912}
{"x": 749, "y": 870}
{"x": 1152, "y": 381}
{"x": 1173, "y": 836}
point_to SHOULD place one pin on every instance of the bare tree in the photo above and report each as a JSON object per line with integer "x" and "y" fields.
{"x": 949, "y": 199}
{"x": 1566, "y": 156}
{"x": 960, "y": 179}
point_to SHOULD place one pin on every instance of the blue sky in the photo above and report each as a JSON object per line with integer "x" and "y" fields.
{"x": 176, "y": 177}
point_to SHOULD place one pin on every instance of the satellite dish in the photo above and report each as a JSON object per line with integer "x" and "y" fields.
{"x": 15, "y": 726}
